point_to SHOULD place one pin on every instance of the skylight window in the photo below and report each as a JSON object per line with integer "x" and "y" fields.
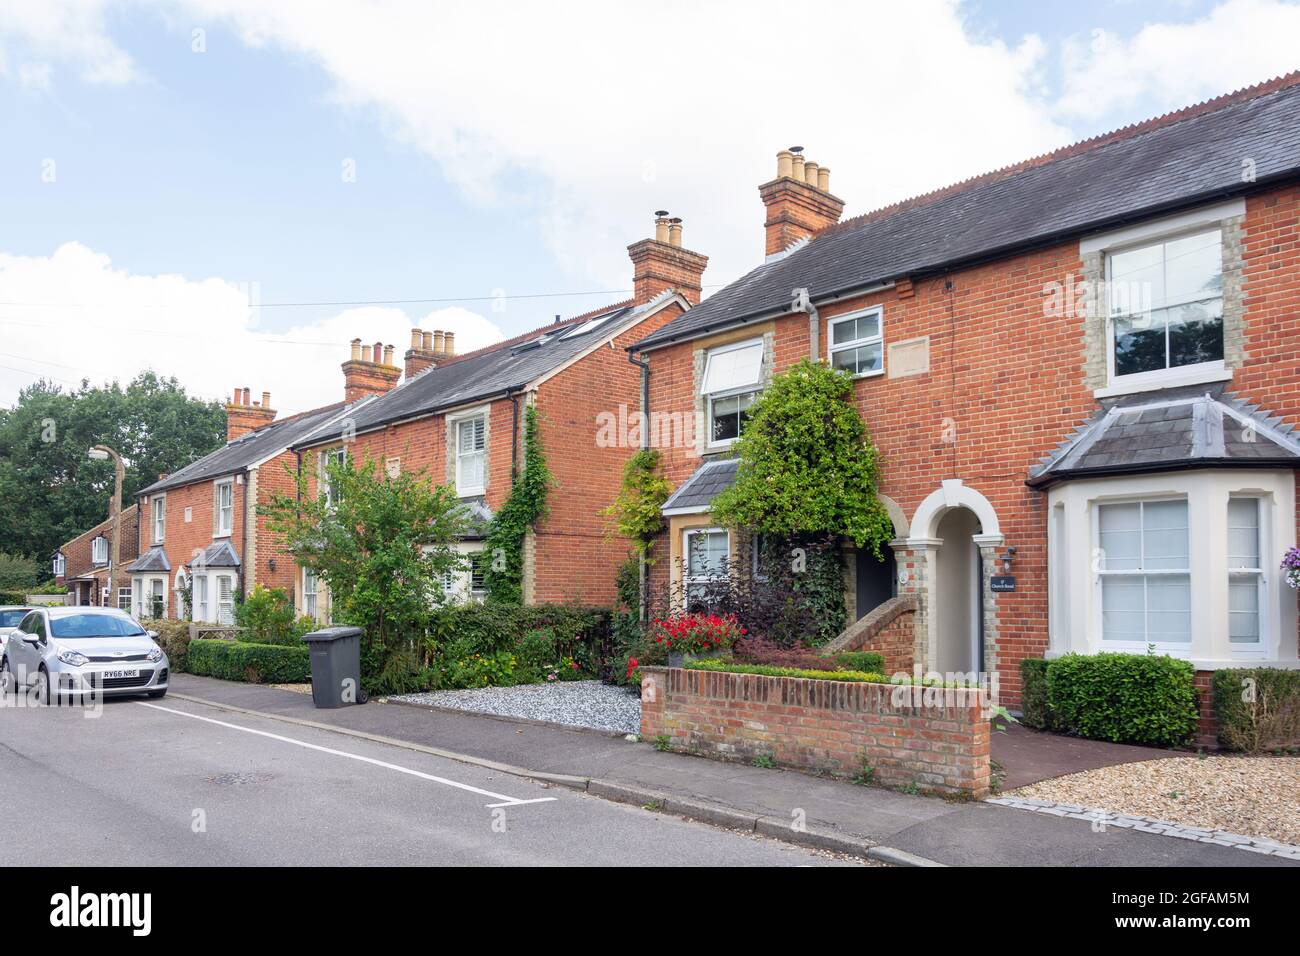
{"x": 591, "y": 325}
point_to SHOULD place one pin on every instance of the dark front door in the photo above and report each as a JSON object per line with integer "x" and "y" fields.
{"x": 877, "y": 580}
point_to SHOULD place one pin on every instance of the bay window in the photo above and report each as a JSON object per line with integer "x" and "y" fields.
{"x": 200, "y": 591}
{"x": 1245, "y": 572}
{"x": 1145, "y": 578}
{"x": 707, "y": 552}
{"x": 856, "y": 343}
{"x": 225, "y": 596}
{"x": 732, "y": 381}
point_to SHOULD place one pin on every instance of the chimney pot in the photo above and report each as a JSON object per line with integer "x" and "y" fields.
{"x": 416, "y": 338}
{"x": 810, "y": 173}
{"x": 798, "y": 166}
{"x": 784, "y": 164}
{"x": 388, "y": 355}
{"x": 824, "y": 179}
{"x": 793, "y": 212}
{"x": 675, "y": 231}
{"x": 266, "y": 399}
{"x": 377, "y": 353}
{"x": 661, "y": 227}
{"x": 449, "y": 343}
{"x": 439, "y": 339}
{"x": 356, "y": 350}
{"x": 238, "y": 393}
{"x": 248, "y": 396}
{"x": 426, "y": 342}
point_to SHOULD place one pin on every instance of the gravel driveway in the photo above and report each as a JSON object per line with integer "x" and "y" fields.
{"x": 582, "y": 703}
{"x": 1256, "y": 796}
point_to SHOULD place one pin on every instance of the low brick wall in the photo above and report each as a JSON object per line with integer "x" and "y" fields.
{"x": 889, "y": 629}
{"x": 935, "y": 739}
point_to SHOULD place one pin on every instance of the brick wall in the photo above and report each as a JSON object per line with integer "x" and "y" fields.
{"x": 823, "y": 726}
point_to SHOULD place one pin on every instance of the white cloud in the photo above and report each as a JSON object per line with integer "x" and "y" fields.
{"x": 69, "y": 31}
{"x": 1167, "y": 66}
{"x": 619, "y": 109}
{"x": 111, "y": 324}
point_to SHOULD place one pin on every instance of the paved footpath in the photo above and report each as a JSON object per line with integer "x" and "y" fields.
{"x": 786, "y": 805}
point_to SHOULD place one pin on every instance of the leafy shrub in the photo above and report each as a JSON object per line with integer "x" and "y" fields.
{"x": 17, "y": 572}
{"x": 872, "y": 662}
{"x": 267, "y": 616}
{"x": 1123, "y": 698}
{"x": 1258, "y": 709}
{"x": 13, "y": 597}
{"x": 252, "y": 663}
{"x": 696, "y": 633}
{"x": 1033, "y": 693}
{"x": 173, "y": 638}
{"x": 756, "y": 650}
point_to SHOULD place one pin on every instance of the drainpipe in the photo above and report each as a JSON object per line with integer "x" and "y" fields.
{"x": 513, "y": 395}
{"x": 243, "y": 545}
{"x": 802, "y": 302}
{"x": 642, "y": 609}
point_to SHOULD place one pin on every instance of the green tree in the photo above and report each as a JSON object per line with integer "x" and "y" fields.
{"x": 17, "y": 573}
{"x": 383, "y": 547}
{"x": 51, "y": 492}
{"x": 807, "y": 465}
{"x": 521, "y": 511}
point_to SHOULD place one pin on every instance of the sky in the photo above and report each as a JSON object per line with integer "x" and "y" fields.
{"x": 229, "y": 191}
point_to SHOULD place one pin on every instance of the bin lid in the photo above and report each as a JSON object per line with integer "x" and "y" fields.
{"x": 332, "y": 634}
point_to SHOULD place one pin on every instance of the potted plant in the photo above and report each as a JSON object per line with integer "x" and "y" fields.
{"x": 690, "y": 636}
{"x": 1291, "y": 565}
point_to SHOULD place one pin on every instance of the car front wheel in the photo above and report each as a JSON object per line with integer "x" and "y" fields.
{"x": 8, "y": 683}
{"x": 43, "y": 688}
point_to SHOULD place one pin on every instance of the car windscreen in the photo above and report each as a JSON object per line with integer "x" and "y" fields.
{"x": 94, "y": 625}
{"x": 12, "y": 618}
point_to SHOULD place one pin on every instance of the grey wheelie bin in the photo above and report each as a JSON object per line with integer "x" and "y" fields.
{"x": 335, "y": 666}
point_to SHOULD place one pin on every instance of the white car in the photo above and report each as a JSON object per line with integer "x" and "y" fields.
{"x": 70, "y": 651}
{"x": 11, "y": 615}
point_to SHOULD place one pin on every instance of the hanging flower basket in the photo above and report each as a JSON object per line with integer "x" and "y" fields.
{"x": 1291, "y": 565}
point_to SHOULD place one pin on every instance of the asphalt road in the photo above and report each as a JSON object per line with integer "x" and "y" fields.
{"x": 176, "y": 783}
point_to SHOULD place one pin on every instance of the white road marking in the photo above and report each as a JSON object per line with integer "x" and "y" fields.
{"x": 505, "y": 800}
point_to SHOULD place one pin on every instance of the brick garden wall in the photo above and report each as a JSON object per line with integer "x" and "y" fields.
{"x": 819, "y": 725}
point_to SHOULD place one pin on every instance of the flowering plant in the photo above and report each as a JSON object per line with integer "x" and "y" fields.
{"x": 1291, "y": 565}
{"x": 696, "y": 633}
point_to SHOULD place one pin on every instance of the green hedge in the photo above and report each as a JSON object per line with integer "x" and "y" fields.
{"x": 173, "y": 638}
{"x": 870, "y": 662}
{"x": 1128, "y": 698}
{"x": 13, "y": 597}
{"x": 252, "y": 663}
{"x": 771, "y": 670}
{"x": 1258, "y": 708}
{"x": 1033, "y": 693}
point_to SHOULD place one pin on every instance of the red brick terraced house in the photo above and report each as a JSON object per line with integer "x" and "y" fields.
{"x": 199, "y": 530}
{"x": 83, "y": 564}
{"x": 460, "y": 420}
{"x": 1080, "y": 371}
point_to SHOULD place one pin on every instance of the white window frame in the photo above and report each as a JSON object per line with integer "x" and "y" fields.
{"x": 454, "y": 422}
{"x": 329, "y": 455}
{"x": 745, "y": 390}
{"x": 1257, "y": 647}
{"x": 124, "y": 599}
{"x": 137, "y": 597}
{"x": 222, "y": 616}
{"x": 60, "y": 567}
{"x": 158, "y": 518}
{"x": 1102, "y": 573}
{"x": 156, "y": 587}
{"x": 99, "y": 550}
{"x": 227, "y": 528}
{"x": 879, "y": 337}
{"x": 311, "y": 602}
{"x": 199, "y": 591}
{"x": 690, "y": 580}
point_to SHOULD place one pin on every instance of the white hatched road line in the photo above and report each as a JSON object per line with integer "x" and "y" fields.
{"x": 506, "y": 801}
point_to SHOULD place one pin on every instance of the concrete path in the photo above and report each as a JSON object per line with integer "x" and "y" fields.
{"x": 788, "y": 805}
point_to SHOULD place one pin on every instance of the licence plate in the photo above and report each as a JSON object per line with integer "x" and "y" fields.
{"x": 121, "y": 672}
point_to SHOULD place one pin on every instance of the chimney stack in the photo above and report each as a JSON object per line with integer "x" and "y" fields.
{"x": 662, "y": 263}
{"x": 426, "y": 349}
{"x": 242, "y": 416}
{"x": 369, "y": 371}
{"x": 798, "y": 201}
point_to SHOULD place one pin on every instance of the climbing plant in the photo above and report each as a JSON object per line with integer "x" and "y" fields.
{"x": 636, "y": 512}
{"x": 525, "y": 506}
{"x": 807, "y": 466}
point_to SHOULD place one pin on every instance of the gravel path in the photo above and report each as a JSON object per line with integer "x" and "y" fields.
{"x": 581, "y": 703}
{"x": 1257, "y": 796}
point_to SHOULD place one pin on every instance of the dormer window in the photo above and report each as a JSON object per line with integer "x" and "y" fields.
{"x": 732, "y": 380}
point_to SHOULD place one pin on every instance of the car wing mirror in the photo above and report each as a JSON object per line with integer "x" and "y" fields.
{"x": 152, "y": 635}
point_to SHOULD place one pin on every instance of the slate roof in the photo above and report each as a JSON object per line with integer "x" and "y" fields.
{"x": 487, "y": 373}
{"x": 699, "y": 490}
{"x": 251, "y": 448}
{"x": 155, "y": 559}
{"x": 1168, "y": 163}
{"x": 1190, "y": 427}
{"x": 219, "y": 554}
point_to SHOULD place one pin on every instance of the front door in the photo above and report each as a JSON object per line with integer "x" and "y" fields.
{"x": 877, "y": 580}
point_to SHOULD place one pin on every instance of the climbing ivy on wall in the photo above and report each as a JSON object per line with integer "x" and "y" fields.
{"x": 637, "y": 511}
{"x": 521, "y": 511}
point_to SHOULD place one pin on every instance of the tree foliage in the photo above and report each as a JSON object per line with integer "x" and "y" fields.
{"x": 383, "y": 546}
{"x": 51, "y": 492}
{"x": 18, "y": 573}
{"x": 521, "y": 511}
{"x": 807, "y": 465}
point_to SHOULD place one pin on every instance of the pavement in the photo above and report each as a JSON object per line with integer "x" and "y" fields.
{"x": 1027, "y": 756}
{"x": 792, "y": 807}
{"x": 177, "y": 783}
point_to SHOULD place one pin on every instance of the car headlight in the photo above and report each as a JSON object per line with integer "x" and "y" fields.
{"x": 155, "y": 655}
{"x": 75, "y": 658}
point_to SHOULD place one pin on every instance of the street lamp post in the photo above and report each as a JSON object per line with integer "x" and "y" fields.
{"x": 103, "y": 453}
